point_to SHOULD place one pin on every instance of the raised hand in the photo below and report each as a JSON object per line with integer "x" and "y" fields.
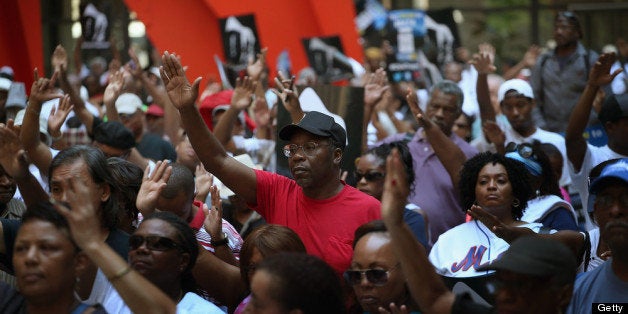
{"x": 600, "y": 72}
{"x": 243, "y": 92}
{"x": 493, "y": 133}
{"x": 13, "y": 157}
{"x": 530, "y": 57}
{"x": 58, "y": 116}
{"x": 203, "y": 181}
{"x": 114, "y": 88}
{"x": 255, "y": 68}
{"x": 134, "y": 66}
{"x": 483, "y": 63}
{"x": 180, "y": 91}
{"x": 80, "y": 212}
{"x": 261, "y": 114}
{"x": 375, "y": 87}
{"x": 213, "y": 216}
{"x": 287, "y": 92}
{"x": 59, "y": 58}
{"x": 413, "y": 103}
{"x": 43, "y": 89}
{"x": 487, "y": 49}
{"x": 396, "y": 190}
{"x": 152, "y": 185}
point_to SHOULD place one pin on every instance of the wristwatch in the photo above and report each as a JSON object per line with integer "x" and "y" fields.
{"x": 223, "y": 241}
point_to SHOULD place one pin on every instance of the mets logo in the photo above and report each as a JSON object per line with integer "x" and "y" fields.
{"x": 472, "y": 259}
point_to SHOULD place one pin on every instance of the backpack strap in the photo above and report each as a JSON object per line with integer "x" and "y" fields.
{"x": 587, "y": 250}
{"x": 541, "y": 96}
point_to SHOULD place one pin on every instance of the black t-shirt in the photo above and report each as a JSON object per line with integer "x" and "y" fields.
{"x": 12, "y": 302}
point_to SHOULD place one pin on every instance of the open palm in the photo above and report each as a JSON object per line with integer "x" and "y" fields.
{"x": 180, "y": 91}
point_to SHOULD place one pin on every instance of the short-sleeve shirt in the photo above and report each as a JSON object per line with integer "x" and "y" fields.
{"x": 326, "y": 226}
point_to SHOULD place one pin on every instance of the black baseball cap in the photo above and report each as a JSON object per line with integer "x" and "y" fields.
{"x": 535, "y": 256}
{"x": 613, "y": 108}
{"x": 319, "y": 124}
{"x": 114, "y": 134}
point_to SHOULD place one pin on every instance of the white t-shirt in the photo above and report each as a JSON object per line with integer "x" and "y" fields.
{"x": 540, "y": 135}
{"x": 580, "y": 180}
{"x": 190, "y": 304}
{"x": 464, "y": 248}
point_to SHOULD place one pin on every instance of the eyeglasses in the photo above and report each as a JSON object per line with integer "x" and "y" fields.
{"x": 153, "y": 243}
{"x": 377, "y": 277}
{"x": 524, "y": 150}
{"x": 309, "y": 148}
{"x": 369, "y": 176}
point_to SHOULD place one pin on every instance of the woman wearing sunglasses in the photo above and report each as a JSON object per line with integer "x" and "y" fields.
{"x": 546, "y": 205}
{"x": 164, "y": 249}
{"x": 370, "y": 172}
{"x": 375, "y": 274}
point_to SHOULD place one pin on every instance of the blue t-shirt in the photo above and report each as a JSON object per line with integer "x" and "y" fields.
{"x": 600, "y": 285}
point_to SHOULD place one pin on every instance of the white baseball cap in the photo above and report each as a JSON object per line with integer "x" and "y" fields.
{"x": 128, "y": 103}
{"x": 520, "y": 86}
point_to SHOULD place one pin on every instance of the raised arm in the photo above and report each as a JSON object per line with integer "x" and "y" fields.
{"x": 213, "y": 226}
{"x": 112, "y": 91}
{"x": 287, "y": 93}
{"x": 139, "y": 294}
{"x": 528, "y": 61}
{"x": 152, "y": 184}
{"x": 374, "y": 89}
{"x": 255, "y": 69}
{"x": 241, "y": 99}
{"x": 172, "y": 121}
{"x": 449, "y": 154}
{"x": 600, "y": 75}
{"x": 42, "y": 90}
{"x": 509, "y": 233}
{"x": 238, "y": 177}
{"x": 60, "y": 64}
{"x": 15, "y": 162}
{"x": 58, "y": 115}
{"x": 483, "y": 63}
{"x": 425, "y": 285}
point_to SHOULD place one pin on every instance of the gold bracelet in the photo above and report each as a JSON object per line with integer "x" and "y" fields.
{"x": 120, "y": 274}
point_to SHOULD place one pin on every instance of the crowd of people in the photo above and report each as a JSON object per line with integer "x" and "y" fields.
{"x": 143, "y": 192}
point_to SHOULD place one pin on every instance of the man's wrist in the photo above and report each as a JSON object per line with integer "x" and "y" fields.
{"x": 222, "y": 241}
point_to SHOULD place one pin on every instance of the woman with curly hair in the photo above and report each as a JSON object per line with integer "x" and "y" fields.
{"x": 499, "y": 186}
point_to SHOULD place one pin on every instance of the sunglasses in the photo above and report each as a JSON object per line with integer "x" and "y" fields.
{"x": 524, "y": 150}
{"x": 377, "y": 277}
{"x": 369, "y": 176}
{"x": 153, "y": 243}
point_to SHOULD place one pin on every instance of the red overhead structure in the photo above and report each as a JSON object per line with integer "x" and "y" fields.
{"x": 20, "y": 38}
{"x": 191, "y": 28}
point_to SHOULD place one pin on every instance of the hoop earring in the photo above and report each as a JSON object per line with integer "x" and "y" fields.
{"x": 516, "y": 203}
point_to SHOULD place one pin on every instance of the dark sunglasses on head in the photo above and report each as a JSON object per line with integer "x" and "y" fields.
{"x": 377, "y": 277}
{"x": 369, "y": 176}
{"x": 525, "y": 150}
{"x": 153, "y": 243}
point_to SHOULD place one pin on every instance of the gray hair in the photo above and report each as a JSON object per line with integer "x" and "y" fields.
{"x": 449, "y": 88}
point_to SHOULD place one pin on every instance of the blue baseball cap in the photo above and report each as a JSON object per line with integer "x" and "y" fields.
{"x": 614, "y": 172}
